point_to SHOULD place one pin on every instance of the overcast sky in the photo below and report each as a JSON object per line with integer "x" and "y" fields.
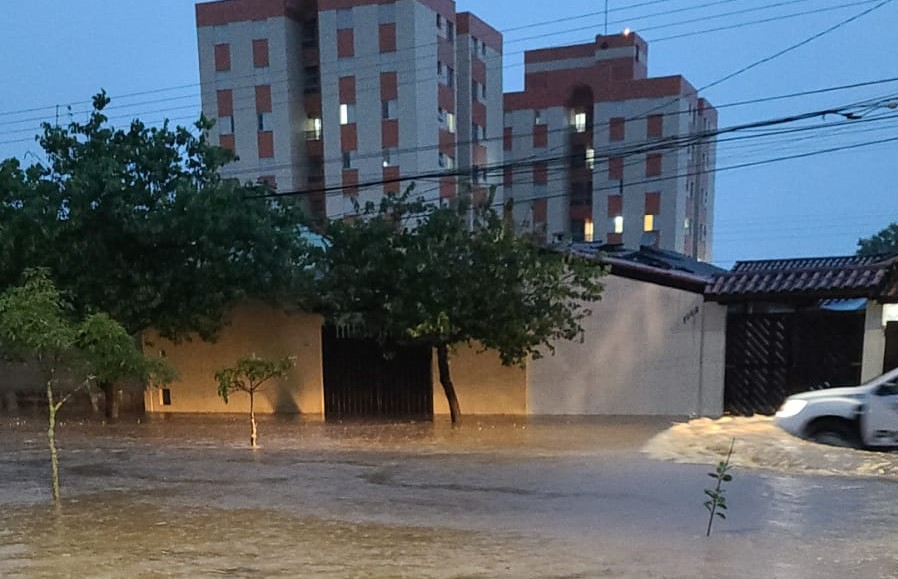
{"x": 54, "y": 52}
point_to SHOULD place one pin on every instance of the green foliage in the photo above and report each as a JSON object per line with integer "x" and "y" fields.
{"x": 445, "y": 275}
{"x": 884, "y": 242}
{"x": 138, "y": 223}
{"x": 717, "y": 501}
{"x": 250, "y": 374}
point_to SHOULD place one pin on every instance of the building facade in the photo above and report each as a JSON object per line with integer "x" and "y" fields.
{"x": 341, "y": 100}
{"x": 597, "y": 151}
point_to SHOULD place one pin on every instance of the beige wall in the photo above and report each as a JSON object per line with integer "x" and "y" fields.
{"x": 483, "y": 384}
{"x": 874, "y": 342}
{"x": 253, "y": 329}
{"x": 644, "y": 352}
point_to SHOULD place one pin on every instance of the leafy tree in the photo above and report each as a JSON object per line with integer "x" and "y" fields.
{"x": 250, "y": 375}
{"x": 443, "y": 276}
{"x": 138, "y": 223}
{"x": 36, "y": 324}
{"x": 886, "y": 241}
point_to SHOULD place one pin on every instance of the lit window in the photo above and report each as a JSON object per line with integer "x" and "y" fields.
{"x": 649, "y": 223}
{"x": 313, "y": 129}
{"x": 591, "y": 158}
{"x": 347, "y": 114}
{"x": 447, "y": 120}
{"x": 579, "y": 122}
{"x": 588, "y": 231}
{"x": 617, "y": 224}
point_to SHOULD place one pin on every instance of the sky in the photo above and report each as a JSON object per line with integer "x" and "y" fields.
{"x": 57, "y": 54}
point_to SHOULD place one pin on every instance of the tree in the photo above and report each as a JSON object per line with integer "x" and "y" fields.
{"x": 36, "y": 324}
{"x": 884, "y": 242}
{"x": 250, "y": 375}
{"x": 139, "y": 223}
{"x": 443, "y": 276}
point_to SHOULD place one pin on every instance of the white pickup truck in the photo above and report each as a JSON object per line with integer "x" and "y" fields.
{"x": 864, "y": 416}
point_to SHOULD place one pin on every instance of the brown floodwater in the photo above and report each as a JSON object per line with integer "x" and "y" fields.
{"x": 186, "y": 497}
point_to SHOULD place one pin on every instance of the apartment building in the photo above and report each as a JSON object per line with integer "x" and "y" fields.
{"x": 342, "y": 99}
{"x": 595, "y": 150}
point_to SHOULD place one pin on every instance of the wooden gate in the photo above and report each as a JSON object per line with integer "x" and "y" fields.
{"x": 771, "y": 356}
{"x": 890, "y": 362}
{"x": 361, "y": 380}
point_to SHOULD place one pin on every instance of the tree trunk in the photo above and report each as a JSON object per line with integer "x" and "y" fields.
{"x": 110, "y": 392}
{"x": 252, "y": 419}
{"x": 51, "y": 437}
{"x": 446, "y": 381}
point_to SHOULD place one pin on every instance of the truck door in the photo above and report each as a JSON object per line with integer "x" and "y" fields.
{"x": 881, "y": 419}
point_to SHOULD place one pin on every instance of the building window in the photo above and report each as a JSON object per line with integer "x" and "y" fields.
{"x": 264, "y": 122}
{"x": 590, "y": 158}
{"x": 313, "y": 129}
{"x": 312, "y": 79}
{"x": 478, "y": 133}
{"x": 447, "y": 120}
{"x": 226, "y": 125}
{"x": 445, "y": 161}
{"x": 439, "y": 21}
{"x": 388, "y": 109}
{"x": 578, "y": 121}
{"x": 648, "y": 223}
{"x": 446, "y": 74}
{"x": 347, "y": 113}
{"x": 348, "y": 159}
{"x": 477, "y": 91}
{"x": 538, "y": 118}
{"x": 344, "y": 19}
{"x": 391, "y": 157}
{"x": 617, "y": 224}
{"x": 165, "y": 395}
{"x": 588, "y": 231}
{"x": 450, "y": 31}
{"x": 222, "y": 57}
{"x": 310, "y": 33}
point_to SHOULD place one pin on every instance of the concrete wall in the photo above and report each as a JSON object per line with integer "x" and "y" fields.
{"x": 874, "y": 342}
{"x": 646, "y": 350}
{"x": 483, "y": 384}
{"x": 253, "y": 329}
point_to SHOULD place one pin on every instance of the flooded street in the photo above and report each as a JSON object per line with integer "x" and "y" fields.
{"x": 186, "y": 497}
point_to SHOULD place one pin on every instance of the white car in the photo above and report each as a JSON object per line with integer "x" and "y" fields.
{"x": 862, "y": 416}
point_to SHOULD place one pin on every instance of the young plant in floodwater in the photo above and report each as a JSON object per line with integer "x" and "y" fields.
{"x": 249, "y": 375}
{"x": 717, "y": 501}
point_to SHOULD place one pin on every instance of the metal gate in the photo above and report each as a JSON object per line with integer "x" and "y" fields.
{"x": 362, "y": 380}
{"x": 771, "y": 356}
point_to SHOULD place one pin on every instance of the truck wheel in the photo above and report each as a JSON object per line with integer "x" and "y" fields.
{"x": 834, "y": 433}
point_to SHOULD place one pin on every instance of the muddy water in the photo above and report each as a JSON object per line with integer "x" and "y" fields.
{"x": 184, "y": 497}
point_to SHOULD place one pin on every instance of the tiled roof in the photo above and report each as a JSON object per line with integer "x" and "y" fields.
{"x": 817, "y": 278}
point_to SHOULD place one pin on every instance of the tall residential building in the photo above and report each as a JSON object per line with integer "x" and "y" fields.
{"x": 341, "y": 98}
{"x": 597, "y": 151}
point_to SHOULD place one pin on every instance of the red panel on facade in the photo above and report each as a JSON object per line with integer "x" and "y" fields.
{"x": 389, "y": 86}
{"x": 540, "y": 211}
{"x": 540, "y": 136}
{"x": 390, "y": 133}
{"x": 540, "y": 173}
{"x": 656, "y": 125}
{"x": 478, "y": 70}
{"x": 616, "y": 168}
{"x": 653, "y": 203}
{"x": 480, "y": 155}
{"x": 263, "y": 98}
{"x": 347, "y": 89}
{"x": 388, "y": 37}
{"x": 617, "y": 129}
{"x": 260, "y": 53}
{"x": 391, "y": 180}
{"x": 478, "y": 113}
{"x": 345, "y": 43}
{"x": 446, "y": 51}
{"x": 222, "y": 57}
{"x": 226, "y": 12}
{"x": 447, "y": 143}
{"x": 349, "y": 138}
{"x": 350, "y": 182}
{"x": 225, "y": 103}
{"x": 615, "y": 239}
{"x": 581, "y": 213}
{"x": 226, "y": 142}
{"x": 615, "y": 205}
{"x": 446, "y": 98}
{"x": 447, "y": 188}
{"x": 653, "y": 165}
{"x": 470, "y": 24}
{"x": 266, "y": 144}
{"x": 508, "y": 177}
{"x": 507, "y": 138}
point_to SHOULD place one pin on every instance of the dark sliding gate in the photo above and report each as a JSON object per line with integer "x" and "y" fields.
{"x": 361, "y": 380}
{"x": 771, "y": 356}
{"x": 890, "y": 361}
